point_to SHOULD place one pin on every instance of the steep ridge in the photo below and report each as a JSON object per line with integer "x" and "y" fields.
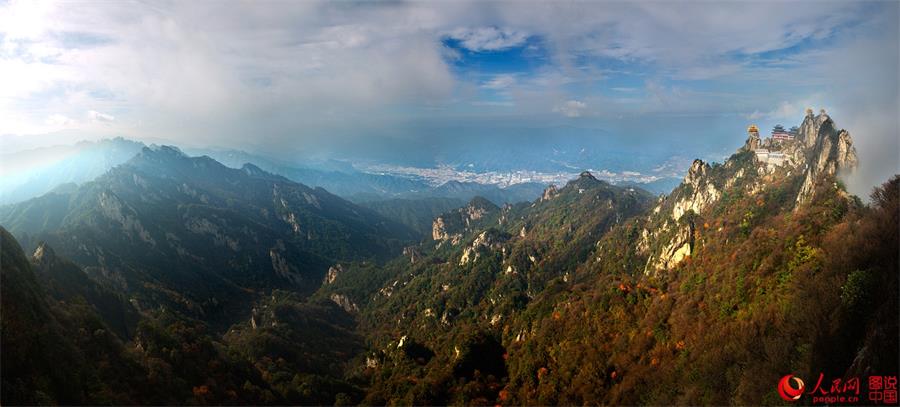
{"x": 815, "y": 157}
{"x": 443, "y": 314}
{"x": 53, "y": 354}
{"x": 59, "y": 346}
{"x": 596, "y": 295}
{"x": 66, "y": 282}
{"x": 196, "y": 236}
{"x": 739, "y": 273}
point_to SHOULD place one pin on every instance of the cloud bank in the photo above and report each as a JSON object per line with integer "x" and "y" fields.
{"x": 286, "y": 76}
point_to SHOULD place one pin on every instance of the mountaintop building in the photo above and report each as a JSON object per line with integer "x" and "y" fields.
{"x": 779, "y": 133}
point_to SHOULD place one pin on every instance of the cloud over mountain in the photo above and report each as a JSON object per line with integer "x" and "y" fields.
{"x": 292, "y": 73}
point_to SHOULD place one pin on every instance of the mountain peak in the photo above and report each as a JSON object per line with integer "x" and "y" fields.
{"x": 163, "y": 150}
{"x": 586, "y": 174}
{"x": 828, "y": 151}
{"x": 697, "y": 171}
{"x": 251, "y": 169}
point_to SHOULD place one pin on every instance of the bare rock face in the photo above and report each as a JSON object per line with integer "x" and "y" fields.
{"x": 114, "y": 209}
{"x": 674, "y": 252}
{"x": 413, "y": 253}
{"x": 43, "y": 255}
{"x": 485, "y": 241}
{"x": 752, "y": 143}
{"x": 698, "y": 192}
{"x": 473, "y": 213}
{"x": 439, "y": 229}
{"x": 203, "y": 226}
{"x": 702, "y": 191}
{"x": 819, "y": 152}
{"x": 550, "y": 192}
{"x": 333, "y": 273}
{"x": 344, "y": 302}
{"x": 830, "y": 151}
{"x": 452, "y": 225}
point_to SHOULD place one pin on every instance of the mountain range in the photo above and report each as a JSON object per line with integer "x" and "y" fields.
{"x": 172, "y": 279}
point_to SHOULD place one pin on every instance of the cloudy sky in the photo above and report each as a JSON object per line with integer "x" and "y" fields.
{"x": 287, "y": 75}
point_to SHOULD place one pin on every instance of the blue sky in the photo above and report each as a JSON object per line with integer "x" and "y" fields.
{"x": 290, "y": 77}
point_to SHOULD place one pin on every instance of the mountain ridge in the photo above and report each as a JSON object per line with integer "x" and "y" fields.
{"x": 164, "y": 211}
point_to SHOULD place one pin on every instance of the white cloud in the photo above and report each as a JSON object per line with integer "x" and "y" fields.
{"x": 790, "y": 110}
{"x": 500, "y": 82}
{"x": 571, "y": 108}
{"x": 97, "y": 117}
{"x": 289, "y": 73}
{"x": 58, "y": 120}
{"x": 488, "y": 38}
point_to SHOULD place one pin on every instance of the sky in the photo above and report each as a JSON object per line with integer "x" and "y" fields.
{"x": 290, "y": 77}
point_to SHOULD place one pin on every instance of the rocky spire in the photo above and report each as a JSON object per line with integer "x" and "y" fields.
{"x": 549, "y": 193}
{"x": 829, "y": 151}
{"x": 696, "y": 172}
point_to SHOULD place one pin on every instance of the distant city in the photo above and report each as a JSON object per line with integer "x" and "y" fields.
{"x": 445, "y": 173}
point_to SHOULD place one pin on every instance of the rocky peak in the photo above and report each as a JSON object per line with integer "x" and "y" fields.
{"x": 696, "y": 173}
{"x": 828, "y": 151}
{"x": 549, "y": 193}
{"x": 439, "y": 229}
{"x": 333, "y": 273}
{"x": 157, "y": 151}
{"x": 451, "y": 225}
{"x": 813, "y": 127}
{"x": 584, "y": 181}
{"x": 819, "y": 151}
{"x": 697, "y": 193}
{"x": 752, "y": 143}
{"x": 251, "y": 169}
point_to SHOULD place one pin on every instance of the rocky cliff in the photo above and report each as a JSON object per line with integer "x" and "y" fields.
{"x": 828, "y": 152}
{"x": 452, "y": 225}
{"x": 819, "y": 154}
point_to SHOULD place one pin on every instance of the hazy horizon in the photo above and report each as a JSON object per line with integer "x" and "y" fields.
{"x": 410, "y": 82}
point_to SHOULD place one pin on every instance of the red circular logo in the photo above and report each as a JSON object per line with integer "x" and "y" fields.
{"x": 790, "y": 390}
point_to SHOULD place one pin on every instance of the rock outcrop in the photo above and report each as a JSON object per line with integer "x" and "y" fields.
{"x": 829, "y": 151}
{"x": 333, "y": 273}
{"x": 675, "y": 235}
{"x": 487, "y": 240}
{"x": 452, "y": 225}
{"x": 550, "y": 192}
{"x": 675, "y": 251}
{"x": 819, "y": 152}
{"x": 344, "y": 302}
{"x": 701, "y": 193}
{"x": 413, "y": 253}
{"x": 43, "y": 256}
{"x": 439, "y": 229}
